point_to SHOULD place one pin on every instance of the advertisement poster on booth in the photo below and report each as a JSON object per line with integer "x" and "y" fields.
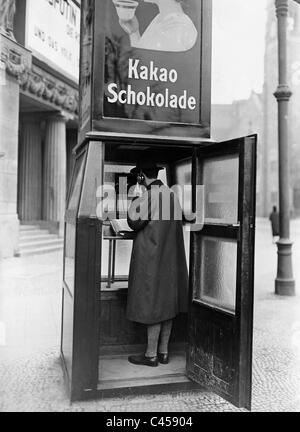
{"x": 153, "y": 61}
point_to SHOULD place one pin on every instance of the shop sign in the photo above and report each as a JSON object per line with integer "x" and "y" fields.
{"x": 53, "y": 33}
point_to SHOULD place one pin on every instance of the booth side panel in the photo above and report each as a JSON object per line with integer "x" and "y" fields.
{"x": 87, "y": 308}
{"x": 67, "y": 335}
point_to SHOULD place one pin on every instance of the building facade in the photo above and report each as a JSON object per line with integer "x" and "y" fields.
{"x": 243, "y": 117}
{"x": 39, "y": 73}
{"x": 259, "y": 114}
{"x": 270, "y": 109}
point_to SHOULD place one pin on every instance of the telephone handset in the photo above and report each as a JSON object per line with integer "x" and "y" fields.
{"x": 140, "y": 178}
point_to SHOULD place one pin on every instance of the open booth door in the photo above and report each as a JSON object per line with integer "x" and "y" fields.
{"x": 222, "y": 271}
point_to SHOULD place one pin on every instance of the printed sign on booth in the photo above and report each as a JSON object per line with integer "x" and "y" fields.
{"x": 153, "y": 60}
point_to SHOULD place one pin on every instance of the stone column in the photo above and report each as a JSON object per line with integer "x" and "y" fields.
{"x": 9, "y": 124}
{"x": 30, "y": 170}
{"x": 285, "y": 283}
{"x": 55, "y": 166}
{"x": 15, "y": 60}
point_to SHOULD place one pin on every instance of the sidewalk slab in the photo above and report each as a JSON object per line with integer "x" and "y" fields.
{"x": 31, "y": 377}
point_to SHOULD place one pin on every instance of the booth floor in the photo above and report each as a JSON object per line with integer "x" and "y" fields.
{"x": 117, "y": 369}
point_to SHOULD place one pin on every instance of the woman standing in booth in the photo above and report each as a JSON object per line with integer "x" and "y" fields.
{"x": 158, "y": 277}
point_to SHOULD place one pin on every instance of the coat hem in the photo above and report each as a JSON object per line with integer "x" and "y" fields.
{"x": 153, "y": 322}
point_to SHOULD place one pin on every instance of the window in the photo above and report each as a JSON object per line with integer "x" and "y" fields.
{"x": 221, "y": 182}
{"x": 217, "y": 284}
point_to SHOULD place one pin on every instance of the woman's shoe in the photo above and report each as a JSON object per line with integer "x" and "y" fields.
{"x": 142, "y": 360}
{"x": 163, "y": 359}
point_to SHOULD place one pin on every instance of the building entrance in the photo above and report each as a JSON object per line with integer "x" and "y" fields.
{"x": 45, "y": 160}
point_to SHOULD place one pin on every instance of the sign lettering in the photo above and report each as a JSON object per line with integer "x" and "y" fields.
{"x": 58, "y": 44}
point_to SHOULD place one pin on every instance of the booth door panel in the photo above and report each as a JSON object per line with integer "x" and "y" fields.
{"x": 222, "y": 269}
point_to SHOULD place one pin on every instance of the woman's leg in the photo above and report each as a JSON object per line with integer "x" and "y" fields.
{"x": 165, "y": 335}
{"x": 153, "y": 336}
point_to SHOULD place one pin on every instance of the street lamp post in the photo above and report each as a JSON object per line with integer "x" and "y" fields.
{"x": 285, "y": 283}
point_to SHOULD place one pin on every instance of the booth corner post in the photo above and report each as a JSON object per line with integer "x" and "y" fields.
{"x": 284, "y": 283}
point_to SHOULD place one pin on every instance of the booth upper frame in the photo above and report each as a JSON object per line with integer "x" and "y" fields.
{"x": 95, "y": 57}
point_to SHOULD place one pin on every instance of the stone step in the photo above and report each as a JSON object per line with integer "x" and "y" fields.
{"x": 41, "y": 243}
{"x": 39, "y": 251}
{"x": 36, "y": 240}
{"x": 37, "y": 237}
{"x": 32, "y": 233}
{"x": 28, "y": 227}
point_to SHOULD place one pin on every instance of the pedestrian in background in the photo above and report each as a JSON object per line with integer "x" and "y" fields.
{"x": 274, "y": 218}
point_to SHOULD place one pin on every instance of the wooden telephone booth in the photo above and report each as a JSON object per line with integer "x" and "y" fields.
{"x": 211, "y": 345}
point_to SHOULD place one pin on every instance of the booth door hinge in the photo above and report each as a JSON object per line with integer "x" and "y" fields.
{"x": 252, "y": 224}
{"x": 238, "y": 227}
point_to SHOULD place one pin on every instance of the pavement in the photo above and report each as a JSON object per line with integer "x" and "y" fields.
{"x": 31, "y": 378}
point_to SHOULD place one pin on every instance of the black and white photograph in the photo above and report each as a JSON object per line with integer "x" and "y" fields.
{"x": 150, "y": 209}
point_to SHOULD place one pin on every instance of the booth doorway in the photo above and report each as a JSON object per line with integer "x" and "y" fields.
{"x": 212, "y": 344}
{"x": 119, "y": 338}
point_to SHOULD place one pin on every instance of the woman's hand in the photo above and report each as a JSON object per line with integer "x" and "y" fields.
{"x": 139, "y": 190}
{"x": 130, "y": 27}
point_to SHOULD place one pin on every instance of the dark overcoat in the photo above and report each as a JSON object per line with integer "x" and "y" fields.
{"x": 158, "y": 277}
{"x": 274, "y": 218}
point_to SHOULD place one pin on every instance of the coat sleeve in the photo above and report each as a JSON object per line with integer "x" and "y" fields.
{"x": 139, "y": 213}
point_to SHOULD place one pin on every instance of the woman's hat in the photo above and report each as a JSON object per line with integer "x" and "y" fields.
{"x": 144, "y": 166}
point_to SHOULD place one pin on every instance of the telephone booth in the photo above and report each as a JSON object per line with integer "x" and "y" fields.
{"x": 211, "y": 345}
